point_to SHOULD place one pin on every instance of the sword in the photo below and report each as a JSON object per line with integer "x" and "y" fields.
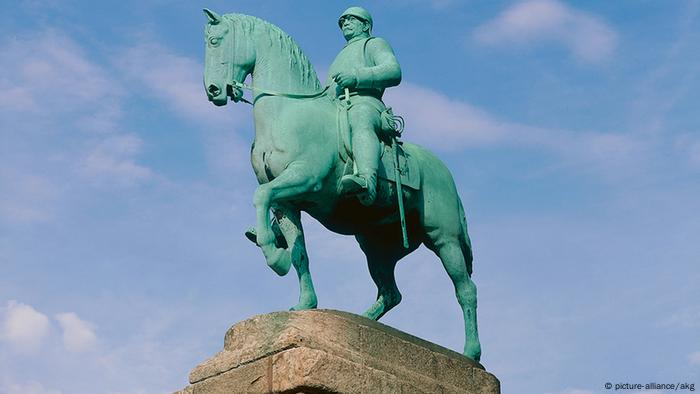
{"x": 399, "y": 190}
{"x": 347, "y": 122}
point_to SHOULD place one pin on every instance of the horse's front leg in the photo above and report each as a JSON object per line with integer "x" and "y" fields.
{"x": 289, "y": 220}
{"x": 298, "y": 178}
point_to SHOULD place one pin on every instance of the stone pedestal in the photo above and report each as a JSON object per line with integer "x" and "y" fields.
{"x": 324, "y": 351}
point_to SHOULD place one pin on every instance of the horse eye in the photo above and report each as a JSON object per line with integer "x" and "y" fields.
{"x": 214, "y": 41}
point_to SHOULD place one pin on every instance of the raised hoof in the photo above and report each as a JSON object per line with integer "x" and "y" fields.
{"x": 252, "y": 235}
{"x": 280, "y": 241}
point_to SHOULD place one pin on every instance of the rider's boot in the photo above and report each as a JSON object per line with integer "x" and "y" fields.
{"x": 366, "y": 153}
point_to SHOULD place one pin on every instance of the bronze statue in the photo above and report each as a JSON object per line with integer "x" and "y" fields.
{"x": 303, "y": 159}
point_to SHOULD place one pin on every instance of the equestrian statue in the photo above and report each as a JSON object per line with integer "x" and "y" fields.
{"x": 334, "y": 152}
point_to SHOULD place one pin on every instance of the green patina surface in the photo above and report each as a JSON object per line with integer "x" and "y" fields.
{"x": 303, "y": 157}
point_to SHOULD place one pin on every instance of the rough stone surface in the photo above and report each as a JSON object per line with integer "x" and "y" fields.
{"x": 324, "y": 351}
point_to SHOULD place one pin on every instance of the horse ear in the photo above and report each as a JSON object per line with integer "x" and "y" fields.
{"x": 214, "y": 18}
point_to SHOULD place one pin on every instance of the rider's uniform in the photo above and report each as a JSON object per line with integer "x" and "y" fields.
{"x": 372, "y": 61}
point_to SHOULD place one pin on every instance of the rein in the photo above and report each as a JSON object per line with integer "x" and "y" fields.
{"x": 265, "y": 92}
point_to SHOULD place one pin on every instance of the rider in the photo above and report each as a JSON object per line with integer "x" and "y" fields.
{"x": 366, "y": 66}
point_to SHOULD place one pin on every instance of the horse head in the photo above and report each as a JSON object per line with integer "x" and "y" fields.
{"x": 226, "y": 63}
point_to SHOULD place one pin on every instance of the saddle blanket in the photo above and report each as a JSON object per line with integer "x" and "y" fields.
{"x": 408, "y": 167}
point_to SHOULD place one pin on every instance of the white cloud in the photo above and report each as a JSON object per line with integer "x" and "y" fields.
{"x": 24, "y": 328}
{"x": 445, "y": 124}
{"x": 53, "y": 79}
{"x": 607, "y": 151}
{"x": 113, "y": 158}
{"x": 148, "y": 349}
{"x": 694, "y": 358}
{"x": 62, "y": 117}
{"x": 78, "y": 335}
{"x": 532, "y": 21}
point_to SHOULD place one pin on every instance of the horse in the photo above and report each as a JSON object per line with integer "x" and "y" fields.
{"x": 298, "y": 161}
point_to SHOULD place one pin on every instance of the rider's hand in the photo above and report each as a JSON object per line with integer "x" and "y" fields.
{"x": 345, "y": 80}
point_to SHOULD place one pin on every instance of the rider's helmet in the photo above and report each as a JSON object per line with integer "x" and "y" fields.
{"x": 357, "y": 12}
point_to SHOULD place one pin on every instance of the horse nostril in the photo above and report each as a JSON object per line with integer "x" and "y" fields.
{"x": 214, "y": 90}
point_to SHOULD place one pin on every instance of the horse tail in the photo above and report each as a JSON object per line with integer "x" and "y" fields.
{"x": 464, "y": 241}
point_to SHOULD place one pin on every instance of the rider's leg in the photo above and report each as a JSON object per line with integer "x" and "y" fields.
{"x": 364, "y": 121}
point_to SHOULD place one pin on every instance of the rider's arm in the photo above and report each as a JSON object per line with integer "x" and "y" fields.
{"x": 384, "y": 71}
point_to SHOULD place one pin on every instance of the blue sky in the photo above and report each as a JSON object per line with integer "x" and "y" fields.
{"x": 572, "y": 130}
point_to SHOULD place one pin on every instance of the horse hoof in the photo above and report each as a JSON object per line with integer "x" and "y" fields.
{"x": 371, "y": 316}
{"x": 373, "y": 313}
{"x": 303, "y": 307}
{"x": 252, "y": 235}
{"x": 473, "y": 353}
{"x": 280, "y": 241}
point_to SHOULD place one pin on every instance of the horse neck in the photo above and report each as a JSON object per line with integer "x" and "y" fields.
{"x": 278, "y": 68}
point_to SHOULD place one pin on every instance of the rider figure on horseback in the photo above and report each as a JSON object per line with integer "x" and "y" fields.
{"x": 366, "y": 66}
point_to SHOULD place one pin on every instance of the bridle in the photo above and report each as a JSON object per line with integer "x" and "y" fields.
{"x": 268, "y": 92}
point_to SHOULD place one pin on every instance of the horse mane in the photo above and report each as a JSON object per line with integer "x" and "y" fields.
{"x": 287, "y": 45}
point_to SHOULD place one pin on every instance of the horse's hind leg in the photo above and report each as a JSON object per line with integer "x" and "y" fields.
{"x": 452, "y": 255}
{"x": 381, "y": 261}
{"x": 445, "y": 233}
{"x": 289, "y": 221}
